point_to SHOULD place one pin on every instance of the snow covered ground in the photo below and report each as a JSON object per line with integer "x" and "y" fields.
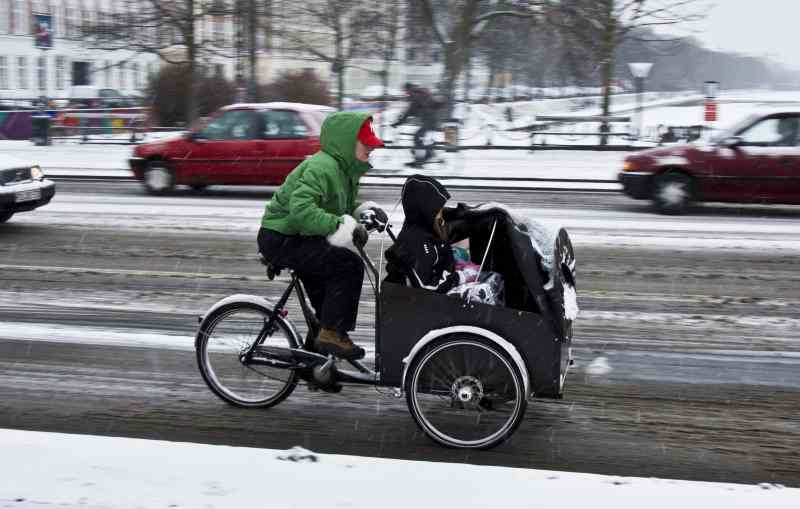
{"x": 42, "y": 470}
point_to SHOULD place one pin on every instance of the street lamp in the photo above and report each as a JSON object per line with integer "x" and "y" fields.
{"x": 640, "y": 70}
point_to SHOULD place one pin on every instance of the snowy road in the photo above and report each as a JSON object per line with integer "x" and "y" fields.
{"x": 687, "y": 346}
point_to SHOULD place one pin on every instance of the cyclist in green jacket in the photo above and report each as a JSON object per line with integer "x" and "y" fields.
{"x": 311, "y": 226}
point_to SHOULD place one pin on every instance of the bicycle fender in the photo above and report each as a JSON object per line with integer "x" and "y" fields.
{"x": 250, "y": 299}
{"x": 504, "y": 344}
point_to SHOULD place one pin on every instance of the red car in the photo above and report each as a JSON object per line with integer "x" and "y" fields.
{"x": 757, "y": 161}
{"x": 242, "y": 144}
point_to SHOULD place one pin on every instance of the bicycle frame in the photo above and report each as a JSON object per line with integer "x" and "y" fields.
{"x": 364, "y": 375}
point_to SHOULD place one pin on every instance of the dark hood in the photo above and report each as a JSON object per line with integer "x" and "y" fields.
{"x": 422, "y": 198}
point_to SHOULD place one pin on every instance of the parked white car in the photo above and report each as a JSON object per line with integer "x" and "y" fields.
{"x": 22, "y": 187}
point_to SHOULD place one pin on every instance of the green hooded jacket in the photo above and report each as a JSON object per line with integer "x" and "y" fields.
{"x": 322, "y": 188}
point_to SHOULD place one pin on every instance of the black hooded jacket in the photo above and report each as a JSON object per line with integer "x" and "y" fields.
{"x": 421, "y": 105}
{"x": 419, "y": 257}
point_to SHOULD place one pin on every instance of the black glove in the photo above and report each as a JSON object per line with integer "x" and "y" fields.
{"x": 380, "y": 215}
{"x": 374, "y": 218}
{"x": 360, "y": 235}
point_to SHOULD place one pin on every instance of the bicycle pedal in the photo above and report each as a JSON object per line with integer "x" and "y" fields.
{"x": 333, "y": 389}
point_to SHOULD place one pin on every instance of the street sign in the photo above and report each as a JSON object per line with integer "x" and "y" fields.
{"x": 43, "y": 31}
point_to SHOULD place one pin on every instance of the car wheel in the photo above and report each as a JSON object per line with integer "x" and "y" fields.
{"x": 158, "y": 178}
{"x": 672, "y": 193}
{"x": 5, "y": 216}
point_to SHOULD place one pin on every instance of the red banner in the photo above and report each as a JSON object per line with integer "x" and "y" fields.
{"x": 711, "y": 111}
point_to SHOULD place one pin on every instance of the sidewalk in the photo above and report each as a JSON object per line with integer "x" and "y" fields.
{"x": 42, "y": 470}
{"x": 565, "y": 168}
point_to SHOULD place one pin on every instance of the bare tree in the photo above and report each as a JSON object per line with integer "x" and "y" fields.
{"x": 600, "y": 26}
{"x": 331, "y": 31}
{"x": 170, "y": 29}
{"x": 386, "y": 32}
{"x": 456, "y": 24}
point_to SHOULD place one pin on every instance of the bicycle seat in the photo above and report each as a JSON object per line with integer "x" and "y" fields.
{"x": 273, "y": 270}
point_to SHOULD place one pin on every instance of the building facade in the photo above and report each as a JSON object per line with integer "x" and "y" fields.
{"x": 29, "y": 72}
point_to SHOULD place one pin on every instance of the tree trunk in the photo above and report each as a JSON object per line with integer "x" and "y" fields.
{"x": 450, "y": 77}
{"x": 253, "y": 83}
{"x": 455, "y": 59}
{"x": 468, "y": 80}
{"x": 340, "y": 84}
{"x": 609, "y": 43}
{"x": 191, "y": 57}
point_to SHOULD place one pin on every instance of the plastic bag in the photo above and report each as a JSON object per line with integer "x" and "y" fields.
{"x": 488, "y": 289}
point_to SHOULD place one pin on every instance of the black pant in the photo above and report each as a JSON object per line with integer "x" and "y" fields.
{"x": 419, "y": 143}
{"x": 332, "y": 276}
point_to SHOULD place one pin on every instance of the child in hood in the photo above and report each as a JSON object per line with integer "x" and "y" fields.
{"x": 422, "y": 256}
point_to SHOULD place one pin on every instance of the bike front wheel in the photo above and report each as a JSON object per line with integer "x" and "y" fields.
{"x": 225, "y": 336}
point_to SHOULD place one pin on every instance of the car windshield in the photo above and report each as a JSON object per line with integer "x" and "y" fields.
{"x": 736, "y": 128}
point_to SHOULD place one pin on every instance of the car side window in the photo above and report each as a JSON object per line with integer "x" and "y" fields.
{"x": 283, "y": 124}
{"x": 772, "y": 132}
{"x": 233, "y": 125}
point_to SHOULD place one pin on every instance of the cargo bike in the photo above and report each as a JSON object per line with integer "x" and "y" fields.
{"x": 466, "y": 369}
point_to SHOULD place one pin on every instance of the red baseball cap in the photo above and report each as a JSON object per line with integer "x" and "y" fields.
{"x": 367, "y": 136}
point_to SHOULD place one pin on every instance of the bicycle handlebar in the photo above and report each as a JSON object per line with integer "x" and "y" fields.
{"x": 371, "y": 223}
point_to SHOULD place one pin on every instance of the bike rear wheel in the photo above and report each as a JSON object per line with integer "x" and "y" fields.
{"x": 224, "y": 336}
{"x": 466, "y": 393}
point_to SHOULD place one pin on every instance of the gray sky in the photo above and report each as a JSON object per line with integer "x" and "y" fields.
{"x": 754, "y": 27}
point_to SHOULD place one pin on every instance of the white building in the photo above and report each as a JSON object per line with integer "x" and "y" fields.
{"x": 26, "y": 71}
{"x": 29, "y": 72}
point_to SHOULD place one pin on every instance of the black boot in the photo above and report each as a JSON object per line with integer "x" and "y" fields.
{"x": 331, "y": 342}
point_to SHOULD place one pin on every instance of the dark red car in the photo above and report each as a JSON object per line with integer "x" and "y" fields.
{"x": 242, "y": 144}
{"x": 757, "y": 161}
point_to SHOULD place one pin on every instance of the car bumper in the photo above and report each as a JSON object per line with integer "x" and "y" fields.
{"x": 636, "y": 184}
{"x": 137, "y": 165}
{"x": 10, "y": 195}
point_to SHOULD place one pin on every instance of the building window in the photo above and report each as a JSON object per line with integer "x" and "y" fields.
{"x": 107, "y": 74}
{"x": 21, "y": 26}
{"x": 60, "y": 70}
{"x": 22, "y": 72}
{"x": 60, "y": 21}
{"x": 5, "y": 18}
{"x": 3, "y": 72}
{"x": 41, "y": 72}
{"x": 73, "y": 20}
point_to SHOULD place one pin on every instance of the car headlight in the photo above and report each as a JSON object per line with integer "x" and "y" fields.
{"x": 628, "y": 166}
{"x": 36, "y": 173}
